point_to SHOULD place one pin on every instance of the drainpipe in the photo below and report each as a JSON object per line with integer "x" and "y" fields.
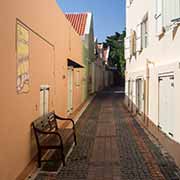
{"x": 147, "y": 91}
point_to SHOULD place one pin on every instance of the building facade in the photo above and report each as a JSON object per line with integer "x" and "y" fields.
{"x": 84, "y": 26}
{"x": 103, "y": 75}
{"x": 41, "y": 70}
{"x": 153, "y": 68}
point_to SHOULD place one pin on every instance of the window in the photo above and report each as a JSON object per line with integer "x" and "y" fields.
{"x": 77, "y": 78}
{"x": 166, "y": 11}
{"x": 159, "y": 17}
{"x": 138, "y": 38}
{"x": 171, "y": 10}
{"x": 128, "y": 3}
{"x": 44, "y": 99}
{"x": 142, "y": 34}
{"x": 127, "y": 48}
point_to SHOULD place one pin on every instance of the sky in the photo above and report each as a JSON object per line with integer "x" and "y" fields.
{"x": 109, "y": 15}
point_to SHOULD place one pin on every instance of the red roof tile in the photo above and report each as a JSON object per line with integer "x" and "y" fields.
{"x": 78, "y": 21}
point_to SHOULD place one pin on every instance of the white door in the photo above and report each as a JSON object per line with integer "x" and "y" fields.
{"x": 70, "y": 90}
{"x": 163, "y": 103}
{"x": 171, "y": 100}
{"x": 166, "y": 104}
{"x": 140, "y": 95}
{"x": 129, "y": 92}
{"x": 44, "y": 99}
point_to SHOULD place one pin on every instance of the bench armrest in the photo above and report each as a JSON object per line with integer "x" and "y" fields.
{"x": 65, "y": 119}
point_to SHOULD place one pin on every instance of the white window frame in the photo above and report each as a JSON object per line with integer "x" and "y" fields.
{"x": 44, "y": 99}
{"x": 144, "y": 31}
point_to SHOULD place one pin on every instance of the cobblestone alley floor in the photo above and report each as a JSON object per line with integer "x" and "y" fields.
{"x": 112, "y": 146}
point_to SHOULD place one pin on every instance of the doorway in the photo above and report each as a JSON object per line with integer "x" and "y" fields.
{"x": 70, "y": 90}
{"x": 140, "y": 96}
{"x": 166, "y": 104}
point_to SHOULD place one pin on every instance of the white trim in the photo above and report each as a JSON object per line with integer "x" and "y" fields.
{"x": 88, "y": 23}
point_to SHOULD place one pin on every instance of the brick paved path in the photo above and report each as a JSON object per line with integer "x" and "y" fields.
{"x": 112, "y": 146}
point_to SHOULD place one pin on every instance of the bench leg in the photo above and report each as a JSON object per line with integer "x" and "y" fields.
{"x": 62, "y": 154}
{"x": 75, "y": 140}
{"x": 39, "y": 159}
{"x": 63, "y": 159}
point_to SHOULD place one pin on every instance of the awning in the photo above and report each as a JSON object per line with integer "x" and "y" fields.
{"x": 74, "y": 64}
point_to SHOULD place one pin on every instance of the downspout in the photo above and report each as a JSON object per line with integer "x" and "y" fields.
{"x": 147, "y": 91}
{"x": 147, "y": 94}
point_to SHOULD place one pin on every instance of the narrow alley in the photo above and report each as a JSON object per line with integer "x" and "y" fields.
{"x": 113, "y": 146}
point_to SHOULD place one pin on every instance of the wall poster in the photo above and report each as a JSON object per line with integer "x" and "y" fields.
{"x": 22, "y": 55}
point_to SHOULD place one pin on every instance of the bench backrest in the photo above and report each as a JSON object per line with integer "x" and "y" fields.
{"x": 44, "y": 123}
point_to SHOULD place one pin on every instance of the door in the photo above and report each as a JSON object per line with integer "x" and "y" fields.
{"x": 44, "y": 100}
{"x": 140, "y": 95}
{"x": 129, "y": 92}
{"x": 70, "y": 90}
{"x": 166, "y": 104}
{"x": 137, "y": 96}
{"x": 171, "y": 98}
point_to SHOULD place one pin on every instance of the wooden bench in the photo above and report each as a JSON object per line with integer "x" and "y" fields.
{"x": 50, "y": 137}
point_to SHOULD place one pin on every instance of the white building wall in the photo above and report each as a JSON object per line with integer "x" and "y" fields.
{"x": 164, "y": 54}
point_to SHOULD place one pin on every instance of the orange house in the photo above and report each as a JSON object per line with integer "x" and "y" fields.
{"x": 37, "y": 47}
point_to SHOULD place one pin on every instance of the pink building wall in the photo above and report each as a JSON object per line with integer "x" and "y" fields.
{"x": 51, "y": 41}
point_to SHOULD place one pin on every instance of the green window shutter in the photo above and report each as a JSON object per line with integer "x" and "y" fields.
{"x": 159, "y": 17}
{"x": 176, "y": 9}
{"x": 139, "y": 37}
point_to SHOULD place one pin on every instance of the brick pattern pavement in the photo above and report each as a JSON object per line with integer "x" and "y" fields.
{"x": 141, "y": 156}
{"x": 104, "y": 161}
{"x": 112, "y": 146}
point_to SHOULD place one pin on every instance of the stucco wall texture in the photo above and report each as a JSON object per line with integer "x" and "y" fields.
{"x": 51, "y": 41}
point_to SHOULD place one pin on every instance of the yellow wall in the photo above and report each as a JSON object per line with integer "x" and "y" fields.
{"x": 48, "y": 65}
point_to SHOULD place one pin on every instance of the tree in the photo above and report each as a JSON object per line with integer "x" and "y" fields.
{"x": 116, "y": 55}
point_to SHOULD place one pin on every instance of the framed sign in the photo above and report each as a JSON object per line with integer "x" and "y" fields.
{"x": 22, "y": 58}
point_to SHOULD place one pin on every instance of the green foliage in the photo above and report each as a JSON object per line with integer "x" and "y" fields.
{"x": 116, "y": 56}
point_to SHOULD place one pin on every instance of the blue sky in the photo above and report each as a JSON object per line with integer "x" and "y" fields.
{"x": 109, "y": 15}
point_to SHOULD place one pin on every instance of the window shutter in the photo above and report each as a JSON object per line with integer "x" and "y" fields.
{"x": 138, "y": 38}
{"x": 168, "y": 11}
{"x": 159, "y": 17}
{"x": 133, "y": 43}
{"x": 127, "y": 47}
{"x": 176, "y": 9}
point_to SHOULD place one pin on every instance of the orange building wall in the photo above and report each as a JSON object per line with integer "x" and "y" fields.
{"x": 48, "y": 65}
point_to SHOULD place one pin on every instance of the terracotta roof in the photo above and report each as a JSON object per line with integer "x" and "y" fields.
{"x": 78, "y": 21}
